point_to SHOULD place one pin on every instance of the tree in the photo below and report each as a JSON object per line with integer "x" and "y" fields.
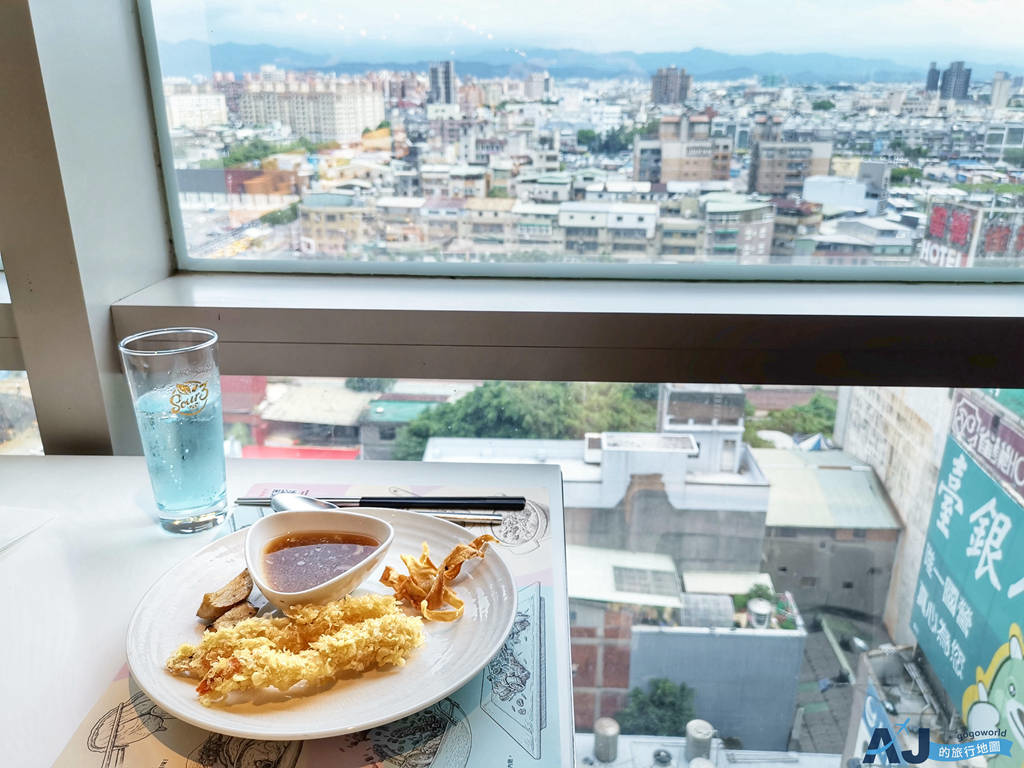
{"x": 586, "y": 137}
{"x": 823, "y": 104}
{"x": 818, "y": 415}
{"x": 1014, "y": 156}
{"x": 663, "y": 711}
{"x": 537, "y": 409}
{"x": 383, "y": 124}
{"x": 497, "y": 192}
{"x": 283, "y": 216}
{"x": 899, "y": 175}
{"x": 368, "y": 385}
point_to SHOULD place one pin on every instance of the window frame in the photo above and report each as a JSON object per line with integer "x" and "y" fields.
{"x": 577, "y": 270}
{"x": 516, "y": 327}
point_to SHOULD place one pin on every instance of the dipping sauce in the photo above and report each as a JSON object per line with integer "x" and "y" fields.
{"x": 301, "y": 561}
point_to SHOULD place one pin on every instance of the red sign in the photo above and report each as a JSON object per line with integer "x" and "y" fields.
{"x": 960, "y": 229}
{"x": 997, "y": 239}
{"x": 937, "y": 225}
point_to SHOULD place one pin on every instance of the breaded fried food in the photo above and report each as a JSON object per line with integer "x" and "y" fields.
{"x": 427, "y": 586}
{"x": 314, "y": 644}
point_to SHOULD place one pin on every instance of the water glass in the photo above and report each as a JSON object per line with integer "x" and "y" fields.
{"x": 175, "y": 387}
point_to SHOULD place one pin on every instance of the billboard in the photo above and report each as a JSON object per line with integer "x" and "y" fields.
{"x": 947, "y": 241}
{"x": 960, "y": 235}
{"x": 969, "y": 605}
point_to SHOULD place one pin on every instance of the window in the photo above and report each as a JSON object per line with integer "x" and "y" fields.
{"x": 19, "y": 433}
{"x": 346, "y": 106}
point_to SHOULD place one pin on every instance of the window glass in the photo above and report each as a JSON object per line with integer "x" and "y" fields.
{"x": 401, "y": 129}
{"x": 795, "y": 565}
{"x": 19, "y": 433}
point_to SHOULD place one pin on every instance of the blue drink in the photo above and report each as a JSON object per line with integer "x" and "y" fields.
{"x": 172, "y": 373}
{"x": 184, "y": 453}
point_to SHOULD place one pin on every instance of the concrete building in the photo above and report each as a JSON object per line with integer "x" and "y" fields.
{"x": 332, "y": 223}
{"x": 932, "y": 81}
{"x": 318, "y": 109}
{"x": 744, "y": 680}
{"x": 489, "y": 222}
{"x": 680, "y": 239}
{"x": 831, "y": 533}
{"x": 537, "y": 226}
{"x": 684, "y": 150}
{"x": 539, "y": 86}
{"x": 442, "y": 83}
{"x": 737, "y": 228}
{"x": 838, "y": 192}
{"x": 1002, "y": 88}
{"x": 609, "y": 227}
{"x": 900, "y": 433}
{"x": 670, "y": 86}
{"x": 780, "y": 167}
{"x": 383, "y": 417}
{"x": 858, "y": 241}
{"x": 955, "y": 82}
{"x": 195, "y": 110}
{"x": 793, "y": 219}
{"x": 440, "y": 217}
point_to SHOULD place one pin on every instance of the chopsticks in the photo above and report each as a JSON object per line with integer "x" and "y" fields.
{"x": 457, "y": 509}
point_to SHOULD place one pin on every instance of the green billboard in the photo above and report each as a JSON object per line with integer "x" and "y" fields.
{"x": 968, "y": 611}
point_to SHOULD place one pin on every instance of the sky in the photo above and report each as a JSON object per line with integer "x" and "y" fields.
{"x": 903, "y": 30}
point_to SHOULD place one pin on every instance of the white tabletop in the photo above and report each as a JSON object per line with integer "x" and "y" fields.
{"x": 73, "y": 583}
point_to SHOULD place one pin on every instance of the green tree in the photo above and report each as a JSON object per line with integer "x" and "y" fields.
{"x": 368, "y": 385}
{"x": 383, "y": 124}
{"x": 818, "y": 415}
{"x": 283, "y": 216}
{"x": 537, "y": 409}
{"x": 899, "y": 175}
{"x": 586, "y": 137}
{"x": 664, "y": 710}
{"x": 823, "y": 104}
{"x": 497, "y": 192}
{"x": 1014, "y": 156}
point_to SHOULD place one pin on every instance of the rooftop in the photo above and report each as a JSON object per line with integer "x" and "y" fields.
{"x": 311, "y": 401}
{"x": 410, "y": 203}
{"x": 620, "y": 576}
{"x": 395, "y": 411}
{"x": 329, "y": 200}
{"x": 823, "y": 489}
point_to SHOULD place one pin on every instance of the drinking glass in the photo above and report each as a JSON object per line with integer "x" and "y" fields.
{"x": 175, "y": 386}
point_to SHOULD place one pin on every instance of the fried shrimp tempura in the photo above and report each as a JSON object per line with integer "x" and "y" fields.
{"x": 313, "y": 645}
{"x": 427, "y": 586}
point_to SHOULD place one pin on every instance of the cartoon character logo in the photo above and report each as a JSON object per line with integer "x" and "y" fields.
{"x": 996, "y": 701}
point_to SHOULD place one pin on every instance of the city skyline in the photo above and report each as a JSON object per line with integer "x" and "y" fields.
{"x": 904, "y": 31}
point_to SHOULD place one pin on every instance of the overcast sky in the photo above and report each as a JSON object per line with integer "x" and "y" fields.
{"x": 904, "y": 30}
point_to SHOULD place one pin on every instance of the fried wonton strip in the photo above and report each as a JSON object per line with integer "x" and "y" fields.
{"x": 427, "y": 586}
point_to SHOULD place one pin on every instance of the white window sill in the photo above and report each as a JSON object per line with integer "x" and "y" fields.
{"x": 823, "y": 333}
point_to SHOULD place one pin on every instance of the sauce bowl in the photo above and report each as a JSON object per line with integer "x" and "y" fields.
{"x": 262, "y": 532}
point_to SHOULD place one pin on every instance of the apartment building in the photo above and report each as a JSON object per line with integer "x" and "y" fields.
{"x": 780, "y": 167}
{"x": 684, "y": 150}
{"x": 737, "y": 228}
{"x": 318, "y": 109}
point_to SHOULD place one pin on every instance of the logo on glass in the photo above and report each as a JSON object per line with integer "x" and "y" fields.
{"x": 189, "y": 398}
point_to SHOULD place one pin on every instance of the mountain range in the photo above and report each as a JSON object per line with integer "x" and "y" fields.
{"x": 191, "y": 57}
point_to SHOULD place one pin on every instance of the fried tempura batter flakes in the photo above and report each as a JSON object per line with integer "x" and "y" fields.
{"x": 314, "y": 645}
{"x": 426, "y": 586}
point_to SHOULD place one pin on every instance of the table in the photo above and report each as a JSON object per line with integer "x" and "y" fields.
{"x": 73, "y": 584}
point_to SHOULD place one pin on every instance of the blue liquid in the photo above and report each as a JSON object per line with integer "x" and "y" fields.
{"x": 184, "y": 453}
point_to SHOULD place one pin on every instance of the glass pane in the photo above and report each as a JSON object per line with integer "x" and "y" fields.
{"x": 344, "y": 138}
{"x": 794, "y": 565}
{"x": 19, "y": 433}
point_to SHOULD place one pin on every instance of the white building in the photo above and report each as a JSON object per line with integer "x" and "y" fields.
{"x": 195, "y": 110}
{"x": 838, "y": 192}
{"x": 324, "y": 110}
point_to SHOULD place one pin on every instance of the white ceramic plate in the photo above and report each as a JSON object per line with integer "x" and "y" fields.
{"x": 452, "y": 653}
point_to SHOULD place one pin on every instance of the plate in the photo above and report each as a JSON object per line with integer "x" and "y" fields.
{"x": 451, "y": 655}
